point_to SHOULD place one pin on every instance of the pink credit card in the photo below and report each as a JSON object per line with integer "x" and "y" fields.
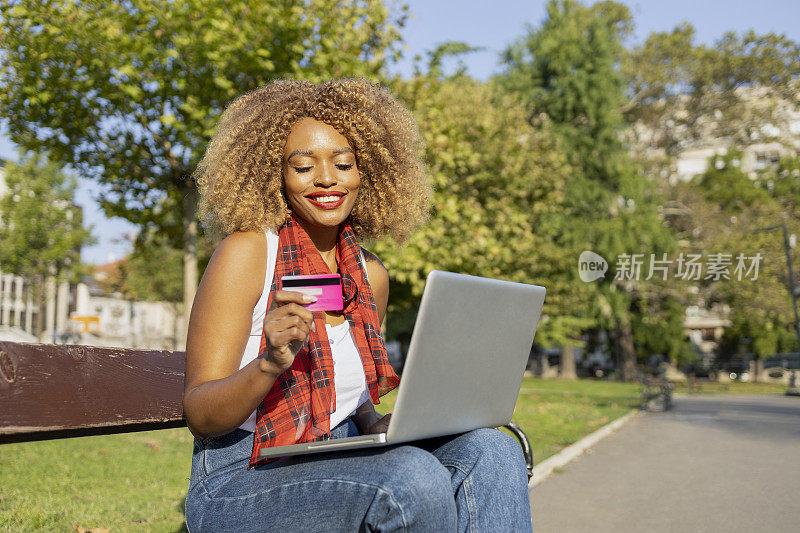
{"x": 326, "y": 288}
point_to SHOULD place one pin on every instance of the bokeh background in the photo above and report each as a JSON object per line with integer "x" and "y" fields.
{"x": 659, "y": 139}
{"x": 648, "y": 133}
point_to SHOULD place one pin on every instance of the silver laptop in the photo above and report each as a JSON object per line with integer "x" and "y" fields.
{"x": 465, "y": 362}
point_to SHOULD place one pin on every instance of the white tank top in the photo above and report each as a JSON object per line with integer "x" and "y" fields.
{"x": 349, "y": 379}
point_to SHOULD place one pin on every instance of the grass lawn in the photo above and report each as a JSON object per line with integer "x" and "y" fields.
{"x": 735, "y": 387}
{"x": 133, "y": 481}
{"x": 555, "y": 413}
{"x": 138, "y": 481}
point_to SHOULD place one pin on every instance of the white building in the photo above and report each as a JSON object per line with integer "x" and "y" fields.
{"x": 777, "y": 136}
{"x": 110, "y": 320}
{"x": 81, "y": 314}
{"x": 757, "y": 156}
{"x": 76, "y": 314}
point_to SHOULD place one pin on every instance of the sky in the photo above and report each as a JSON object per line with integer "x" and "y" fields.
{"x": 493, "y": 26}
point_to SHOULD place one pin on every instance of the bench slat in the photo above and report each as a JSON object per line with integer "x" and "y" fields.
{"x": 51, "y": 391}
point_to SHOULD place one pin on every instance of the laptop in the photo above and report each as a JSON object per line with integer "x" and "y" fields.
{"x": 466, "y": 359}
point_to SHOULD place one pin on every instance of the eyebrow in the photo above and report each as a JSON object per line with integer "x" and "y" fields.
{"x": 311, "y": 152}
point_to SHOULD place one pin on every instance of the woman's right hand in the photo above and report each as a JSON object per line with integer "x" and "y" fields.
{"x": 286, "y": 327}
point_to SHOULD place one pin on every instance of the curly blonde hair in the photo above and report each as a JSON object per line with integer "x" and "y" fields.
{"x": 240, "y": 177}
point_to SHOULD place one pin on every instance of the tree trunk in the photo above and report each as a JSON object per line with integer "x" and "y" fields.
{"x": 758, "y": 374}
{"x": 627, "y": 353}
{"x": 189, "y": 256}
{"x": 545, "y": 366}
{"x": 567, "y": 368}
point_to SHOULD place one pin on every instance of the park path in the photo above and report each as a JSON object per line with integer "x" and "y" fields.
{"x": 712, "y": 464}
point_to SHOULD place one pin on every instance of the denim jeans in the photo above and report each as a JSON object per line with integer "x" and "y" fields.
{"x": 474, "y": 481}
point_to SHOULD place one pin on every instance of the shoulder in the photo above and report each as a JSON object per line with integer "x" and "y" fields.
{"x": 239, "y": 263}
{"x": 376, "y": 272}
{"x": 241, "y": 247}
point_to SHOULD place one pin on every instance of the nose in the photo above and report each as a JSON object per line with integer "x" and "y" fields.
{"x": 326, "y": 175}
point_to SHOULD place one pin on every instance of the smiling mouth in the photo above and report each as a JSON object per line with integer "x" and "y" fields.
{"x": 326, "y": 200}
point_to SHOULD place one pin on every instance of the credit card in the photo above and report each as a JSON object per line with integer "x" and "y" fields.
{"x": 326, "y": 288}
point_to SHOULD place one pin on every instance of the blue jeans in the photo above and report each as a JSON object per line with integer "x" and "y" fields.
{"x": 474, "y": 481}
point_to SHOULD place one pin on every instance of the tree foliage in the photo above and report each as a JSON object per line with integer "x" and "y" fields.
{"x": 130, "y": 92}
{"x": 739, "y": 91}
{"x": 153, "y": 271}
{"x": 726, "y": 212}
{"x": 783, "y": 184}
{"x": 683, "y": 92}
{"x": 657, "y": 325}
{"x": 41, "y": 229}
{"x": 568, "y": 70}
{"x": 725, "y": 185}
{"x": 497, "y": 181}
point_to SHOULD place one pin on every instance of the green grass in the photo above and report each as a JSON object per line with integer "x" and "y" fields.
{"x": 555, "y": 413}
{"x": 138, "y": 481}
{"x": 128, "y": 482}
{"x": 735, "y": 387}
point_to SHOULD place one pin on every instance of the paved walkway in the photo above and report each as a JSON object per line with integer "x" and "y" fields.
{"x": 713, "y": 463}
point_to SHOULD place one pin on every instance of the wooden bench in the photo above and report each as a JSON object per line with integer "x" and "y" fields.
{"x": 57, "y": 391}
{"x": 656, "y": 393}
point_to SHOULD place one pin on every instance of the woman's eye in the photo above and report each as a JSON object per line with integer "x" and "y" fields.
{"x": 345, "y": 166}
{"x": 302, "y": 169}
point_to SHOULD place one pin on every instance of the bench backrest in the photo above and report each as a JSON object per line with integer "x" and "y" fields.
{"x": 51, "y": 391}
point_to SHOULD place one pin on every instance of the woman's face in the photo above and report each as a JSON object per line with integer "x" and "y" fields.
{"x": 320, "y": 177}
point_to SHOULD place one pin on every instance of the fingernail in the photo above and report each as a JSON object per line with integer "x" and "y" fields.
{"x": 307, "y": 298}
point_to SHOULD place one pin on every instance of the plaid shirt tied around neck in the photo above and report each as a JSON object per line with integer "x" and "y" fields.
{"x": 298, "y": 406}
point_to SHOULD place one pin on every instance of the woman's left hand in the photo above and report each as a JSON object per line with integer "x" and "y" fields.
{"x": 368, "y": 421}
{"x": 382, "y": 425}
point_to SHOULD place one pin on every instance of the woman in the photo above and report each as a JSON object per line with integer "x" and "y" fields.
{"x": 294, "y": 175}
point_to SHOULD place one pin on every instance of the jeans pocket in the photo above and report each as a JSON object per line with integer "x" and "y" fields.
{"x": 225, "y": 455}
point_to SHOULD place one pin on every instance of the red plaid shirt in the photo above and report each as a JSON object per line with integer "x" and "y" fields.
{"x": 298, "y": 407}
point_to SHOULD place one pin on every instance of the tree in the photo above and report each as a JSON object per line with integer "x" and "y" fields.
{"x": 738, "y": 91}
{"x": 568, "y": 70}
{"x": 129, "y": 93}
{"x": 497, "y": 182}
{"x": 682, "y": 92}
{"x": 41, "y": 231}
{"x": 783, "y": 184}
{"x": 152, "y": 271}
{"x": 658, "y": 329}
{"x": 724, "y": 213}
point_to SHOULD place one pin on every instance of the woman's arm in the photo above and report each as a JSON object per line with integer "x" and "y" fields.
{"x": 378, "y": 279}
{"x": 218, "y": 396}
{"x": 367, "y": 420}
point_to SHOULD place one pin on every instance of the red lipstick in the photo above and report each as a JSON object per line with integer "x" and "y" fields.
{"x": 326, "y": 199}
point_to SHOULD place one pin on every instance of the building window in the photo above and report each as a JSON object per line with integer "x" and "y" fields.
{"x": 767, "y": 159}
